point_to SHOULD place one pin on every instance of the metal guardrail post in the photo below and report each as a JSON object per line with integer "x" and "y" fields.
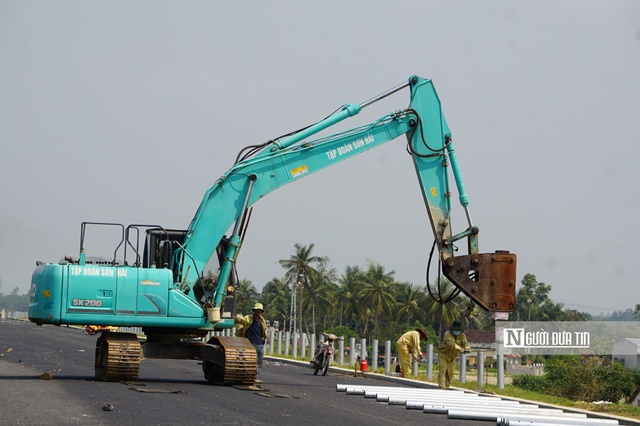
{"x": 463, "y": 368}
{"x": 312, "y": 347}
{"x": 271, "y": 335}
{"x": 287, "y": 337}
{"x": 480, "y": 366}
{"x": 387, "y": 356}
{"x": 500, "y": 359}
{"x": 352, "y": 350}
{"x": 303, "y": 346}
{"x": 429, "y": 361}
{"x": 499, "y": 324}
{"x": 374, "y": 354}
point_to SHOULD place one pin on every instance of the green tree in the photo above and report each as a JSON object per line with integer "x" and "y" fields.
{"x": 342, "y": 331}
{"x": 636, "y": 312}
{"x": 318, "y": 289}
{"x": 246, "y": 296}
{"x": 378, "y": 290}
{"x": 300, "y": 270}
{"x": 444, "y": 314}
{"x": 328, "y": 310}
{"x": 276, "y": 297}
{"x": 302, "y": 262}
{"x": 533, "y": 302}
{"x": 13, "y": 302}
{"x": 348, "y": 291}
{"x": 410, "y": 302}
{"x": 574, "y": 315}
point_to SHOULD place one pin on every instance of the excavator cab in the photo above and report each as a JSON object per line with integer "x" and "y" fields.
{"x": 159, "y": 246}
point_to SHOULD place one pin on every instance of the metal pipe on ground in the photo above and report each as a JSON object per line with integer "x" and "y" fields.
{"x": 414, "y": 397}
{"x": 507, "y": 412}
{"x": 555, "y": 419}
{"x": 499, "y": 413}
{"x": 413, "y": 390}
{"x": 398, "y": 390}
{"x": 374, "y": 392}
{"x": 435, "y": 409}
{"x": 442, "y": 409}
{"x": 419, "y": 405}
{"x": 404, "y": 400}
{"x": 384, "y": 397}
{"x": 391, "y": 392}
{"x": 526, "y": 423}
{"x": 343, "y": 388}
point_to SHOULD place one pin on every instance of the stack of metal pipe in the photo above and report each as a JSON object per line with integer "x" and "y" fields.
{"x": 458, "y": 404}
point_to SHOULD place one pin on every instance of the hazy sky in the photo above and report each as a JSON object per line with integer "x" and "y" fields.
{"x": 127, "y": 112}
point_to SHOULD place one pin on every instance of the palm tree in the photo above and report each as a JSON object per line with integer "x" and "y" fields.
{"x": 533, "y": 302}
{"x": 348, "y": 294}
{"x": 328, "y": 307}
{"x": 301, "y": 262}
{"x": 276, "y": 296}
{"x": 300, "y": 270}
{"x": 246, "y": 295}
{"x": 409, "y": 305}
{"x": 444, "y": 314}
{"x": 319, "y": 290}
{"x": 378, "y": 290}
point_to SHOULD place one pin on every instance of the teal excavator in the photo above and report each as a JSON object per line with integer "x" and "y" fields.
{"x": 177, "y": 285}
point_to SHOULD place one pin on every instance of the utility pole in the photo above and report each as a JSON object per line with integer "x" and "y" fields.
{"x": 301, "y": 279}
{"x": 292, "y": 314}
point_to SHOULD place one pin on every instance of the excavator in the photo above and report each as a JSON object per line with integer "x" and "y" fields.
{"x": 177, "y": 285}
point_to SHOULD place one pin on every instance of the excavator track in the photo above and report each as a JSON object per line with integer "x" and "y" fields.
{"x": 118, "y": 357}
{"x": 239, "y": 358}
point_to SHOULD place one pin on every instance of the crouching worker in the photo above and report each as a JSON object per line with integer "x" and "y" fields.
{"x": 453, "y": 343}
{"x": 408, "y": 346}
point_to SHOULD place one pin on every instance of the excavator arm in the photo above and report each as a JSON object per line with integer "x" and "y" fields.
{"x": 488, "y": 279}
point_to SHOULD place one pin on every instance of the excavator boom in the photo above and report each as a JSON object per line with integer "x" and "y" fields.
{"x": 489, "y": 283}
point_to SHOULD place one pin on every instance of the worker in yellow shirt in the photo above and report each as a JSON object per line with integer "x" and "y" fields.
{"x": 408, "y": 345}
{"x": 453, "y": 343}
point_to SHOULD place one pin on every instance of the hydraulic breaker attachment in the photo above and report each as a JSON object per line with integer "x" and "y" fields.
{"x": 488, "y": 279}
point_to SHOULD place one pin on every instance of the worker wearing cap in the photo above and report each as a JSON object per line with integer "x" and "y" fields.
{"x": 254, "y": 328}
{"x": 408, "y": 345}
{"x": 453, "y": 343}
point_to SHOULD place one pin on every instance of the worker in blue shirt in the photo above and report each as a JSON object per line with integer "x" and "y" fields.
{"x": 254, "y": 328}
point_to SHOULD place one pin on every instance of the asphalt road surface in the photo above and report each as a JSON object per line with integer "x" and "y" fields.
{"x": 170, "y": 392}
